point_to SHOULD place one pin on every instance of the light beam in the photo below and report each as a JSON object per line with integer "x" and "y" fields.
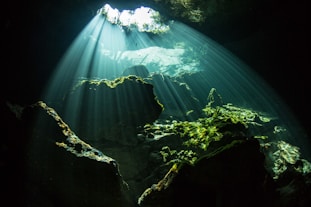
{"x": 174, "y": 55}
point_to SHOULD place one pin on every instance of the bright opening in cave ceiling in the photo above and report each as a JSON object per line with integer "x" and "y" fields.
{"x": 144, "y": 19}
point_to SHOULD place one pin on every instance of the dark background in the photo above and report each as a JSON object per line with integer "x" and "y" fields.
{"x": 270, "y": 37}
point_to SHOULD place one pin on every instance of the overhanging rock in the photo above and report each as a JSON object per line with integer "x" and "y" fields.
{"x": 111, "y": 110}
{"x": 215, "y": 159}
{"x": 62, "y": 170}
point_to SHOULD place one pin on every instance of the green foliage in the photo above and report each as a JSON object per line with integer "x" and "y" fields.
{"x": 175, "y": 156}
{"x": 220, "y": 122}
{"x": 197, "y": 134}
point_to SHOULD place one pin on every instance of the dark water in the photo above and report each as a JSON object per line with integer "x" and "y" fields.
{"x": 254, "y": 60}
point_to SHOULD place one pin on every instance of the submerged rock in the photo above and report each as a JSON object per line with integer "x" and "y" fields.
{"x": 111, "y": 110}
{"x": 62, "y": 170}
{"x": 234, "y": 177}
{"x": 177, "y": 98}
{"x": 218, "y": 159}
{"x": 221, "y": 161}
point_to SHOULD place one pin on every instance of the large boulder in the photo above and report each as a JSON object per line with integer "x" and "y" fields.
{"x": 111, "y": 110}
{"x": 58, "y": 168}
{"x": 217, "y": 159}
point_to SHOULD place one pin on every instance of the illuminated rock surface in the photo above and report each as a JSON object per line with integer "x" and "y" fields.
{"x": 122, "y": 105}
{"x": 171, "y": 62}
{"x": 234, "y": 177}
{"x": 219, "y": 157}
{"x": 61, "y": 169}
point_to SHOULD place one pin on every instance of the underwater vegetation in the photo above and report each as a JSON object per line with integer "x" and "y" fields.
{"x": 167, "y": 154}
{"x": 111, "y": 109}
{"x": 201, "y": 10}
{"x": 222, "y": 128}
{"x": 220, "y": 122}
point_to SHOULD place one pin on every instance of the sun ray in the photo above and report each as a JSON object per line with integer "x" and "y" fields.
{"x": 181, "y": 63}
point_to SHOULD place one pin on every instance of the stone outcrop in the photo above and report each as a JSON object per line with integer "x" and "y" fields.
{"x": 216, "y": 159}
{"x": 62, "y": 170}
{"x": 111, "y": 110}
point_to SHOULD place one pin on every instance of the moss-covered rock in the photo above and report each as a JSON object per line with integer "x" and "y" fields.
{"x": 218, "y": 157}
{"x": 111, "y": 109}
{"x": 60, "y": 169}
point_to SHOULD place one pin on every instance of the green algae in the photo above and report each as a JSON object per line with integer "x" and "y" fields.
{"x": 93, "y": 84}
{"x": 222, "y": 127}
{"x": 226, "y": 123}
{"x": 110, "y": 83}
